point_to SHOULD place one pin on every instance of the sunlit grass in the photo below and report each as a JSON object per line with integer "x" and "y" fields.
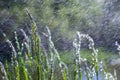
{"x": 36, "y": 64}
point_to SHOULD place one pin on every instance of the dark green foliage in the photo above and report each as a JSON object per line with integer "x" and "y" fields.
{"x": 64, "y": 17}
{"x": 11, "y": 3}
{"x": 108, "y": 31}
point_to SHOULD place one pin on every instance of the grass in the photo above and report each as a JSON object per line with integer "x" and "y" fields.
{"x": 103, "y": 55}
{"x": 68, "y": 56}
{"x": 36, "y": 64}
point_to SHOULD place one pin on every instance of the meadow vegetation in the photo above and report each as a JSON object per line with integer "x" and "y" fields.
{"x": 35, "y": 51}
{"x": 36, "y": 64}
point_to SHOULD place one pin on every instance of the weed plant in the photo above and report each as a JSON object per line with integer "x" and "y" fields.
{"x": 36, "y": 64}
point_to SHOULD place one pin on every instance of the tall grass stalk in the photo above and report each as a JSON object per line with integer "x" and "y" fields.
{"x": 77, "y": 67}
{"x": 92, "y": 69}
{"x": 3, "y": 74}
{"x": 14, "y": 62}
{"x": 40, "y": 56}
{"x": 54, "y": 53}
